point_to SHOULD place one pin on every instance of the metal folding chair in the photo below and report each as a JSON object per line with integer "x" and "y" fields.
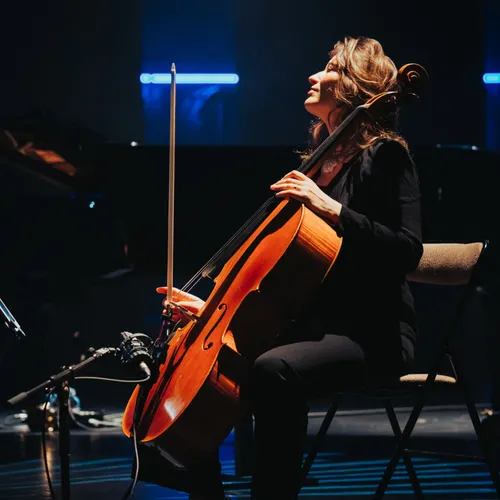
{"x": 441, "y": 264}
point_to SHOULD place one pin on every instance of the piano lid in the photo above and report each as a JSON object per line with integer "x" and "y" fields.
{"x": 42, "y": 156}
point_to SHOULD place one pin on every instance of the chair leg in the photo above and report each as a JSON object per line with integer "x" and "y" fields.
{"x": 401, "y": 446}
{"x": 393, "y": 419}
{"x": 318, "y": 440}
{"x": 488, "y": 454}
{"x": 243, "y": 446}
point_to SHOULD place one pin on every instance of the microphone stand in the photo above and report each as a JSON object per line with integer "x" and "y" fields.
{"x": 10, "y": 321}
{"x": 11, "y": 324}
{"x": 60, "y": 382}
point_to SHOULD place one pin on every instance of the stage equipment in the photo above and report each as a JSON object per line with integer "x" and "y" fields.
{"x": 11, "y": 324}
{"x": 59, "y": 384}
{"x": 58, "y": 395}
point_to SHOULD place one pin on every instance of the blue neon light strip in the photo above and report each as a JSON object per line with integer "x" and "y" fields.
{"x": 491, "y": 78}
{"x": 191, "y": 78}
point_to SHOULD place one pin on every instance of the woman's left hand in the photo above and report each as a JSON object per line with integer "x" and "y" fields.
{"x": 299, "y": 187}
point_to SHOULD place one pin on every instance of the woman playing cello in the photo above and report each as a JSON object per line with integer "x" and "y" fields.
{"x": 363, "y": 321}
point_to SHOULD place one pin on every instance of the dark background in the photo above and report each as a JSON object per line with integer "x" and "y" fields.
{"x": 82, "y": 61}
{"x": 70, "y": 73}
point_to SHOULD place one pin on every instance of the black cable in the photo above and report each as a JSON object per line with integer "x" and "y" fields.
{"x": 124, "y": 380}
{"x": 44, "y": 445}
{"x": 106, "y": 379}
{"x": 130, "y": 491}
{"x": 86, "y": 427}
{"x": 131, "y": 488}
{"x": 135, "y": 350}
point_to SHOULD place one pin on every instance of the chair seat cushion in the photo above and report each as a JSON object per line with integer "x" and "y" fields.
{"x": 406, "y": 383}
{"x": 420, "y": 378}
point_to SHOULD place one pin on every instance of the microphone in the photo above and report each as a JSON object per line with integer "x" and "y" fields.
{"x": 134, "y": 351}
{"x": 10, "y": 321}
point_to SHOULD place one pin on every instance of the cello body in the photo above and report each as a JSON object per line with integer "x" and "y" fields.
{"x": 195, "y": 401}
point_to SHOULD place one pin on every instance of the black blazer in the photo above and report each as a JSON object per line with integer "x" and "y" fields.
{"x": 366, "y": 295}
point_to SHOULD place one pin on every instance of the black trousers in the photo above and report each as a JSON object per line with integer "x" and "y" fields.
{"x": 282, "y": 382}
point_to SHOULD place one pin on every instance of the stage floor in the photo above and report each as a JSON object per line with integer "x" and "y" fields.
{"x": 358, "y": 445}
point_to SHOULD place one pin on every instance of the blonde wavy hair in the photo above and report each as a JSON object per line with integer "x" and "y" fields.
{"x": 364, "y": 72}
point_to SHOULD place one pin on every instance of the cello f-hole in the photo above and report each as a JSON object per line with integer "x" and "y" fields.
{"x": 206, "y": 343}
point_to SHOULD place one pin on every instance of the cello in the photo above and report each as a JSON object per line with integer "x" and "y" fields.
{"x": 264, "y": 276}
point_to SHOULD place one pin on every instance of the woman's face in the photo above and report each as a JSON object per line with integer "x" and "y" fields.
{"x": 321, "y": 98}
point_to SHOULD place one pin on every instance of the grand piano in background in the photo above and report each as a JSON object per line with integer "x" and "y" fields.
{"x": 59, "y": 235}
{"x": 55, "y": 217}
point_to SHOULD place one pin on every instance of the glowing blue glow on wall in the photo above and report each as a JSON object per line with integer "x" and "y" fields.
{"x": 491, "y": 78}
{"x": 191, "y": 78}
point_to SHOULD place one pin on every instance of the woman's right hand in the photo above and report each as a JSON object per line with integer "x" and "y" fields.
{"x": 184, "y": 299}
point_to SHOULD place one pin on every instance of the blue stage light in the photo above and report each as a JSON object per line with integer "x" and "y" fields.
{"x": 491, "y": 78}
{"x": 191, "y": 78}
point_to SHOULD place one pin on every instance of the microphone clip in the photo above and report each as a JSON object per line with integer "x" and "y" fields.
{"x": 133, "y": 351}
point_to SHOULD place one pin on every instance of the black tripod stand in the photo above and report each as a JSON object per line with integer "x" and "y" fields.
{"x": 60, "y": 384}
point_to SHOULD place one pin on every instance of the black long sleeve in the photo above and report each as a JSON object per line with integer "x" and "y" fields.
{"x": 366, "y": 295}
{"x": 389, "y": 230}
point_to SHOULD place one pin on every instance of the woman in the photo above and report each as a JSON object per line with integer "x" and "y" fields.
{"x": 363, "y": 322}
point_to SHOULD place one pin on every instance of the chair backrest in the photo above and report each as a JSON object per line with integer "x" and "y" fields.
{"x": 452, "y": 264}
{"x": 448, "y": 263}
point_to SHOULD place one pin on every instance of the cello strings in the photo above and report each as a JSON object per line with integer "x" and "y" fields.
{"x": 304, "y": 168}
{"x": 203, "y": 271}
